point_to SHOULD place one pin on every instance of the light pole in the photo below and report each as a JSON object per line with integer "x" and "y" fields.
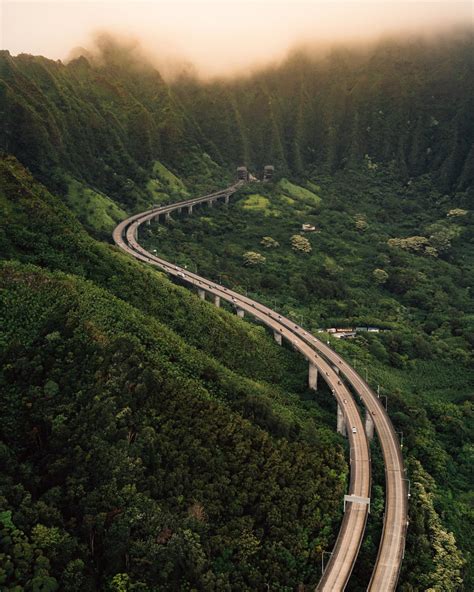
{"x": 409, "y": 488}
{"x": 401, "y": 438}
{"x": 322, "y": 559}
{"x": 194, "y": 265}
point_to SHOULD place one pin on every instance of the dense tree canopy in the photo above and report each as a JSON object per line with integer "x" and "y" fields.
{"x": 130, "y": 453}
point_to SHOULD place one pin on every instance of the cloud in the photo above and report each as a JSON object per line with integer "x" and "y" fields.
{"x": 221, "y": 36}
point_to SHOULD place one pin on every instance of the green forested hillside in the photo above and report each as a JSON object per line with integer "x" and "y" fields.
{"x": 105, "y": 127}
{"x": 150, "y": 441}
{"x": 105, "y": 122}
{"x": 130, "y": 458}
{"x": 407, "y": 103}
{"x": 384, "y": 255}
{"x": 132, "y": 453}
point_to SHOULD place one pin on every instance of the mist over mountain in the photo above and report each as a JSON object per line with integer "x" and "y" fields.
{"x": 404, "y": 103}
{"x": 225, "y": 37}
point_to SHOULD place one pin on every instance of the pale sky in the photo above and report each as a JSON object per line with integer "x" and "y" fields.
{"x": 221, "y": 35}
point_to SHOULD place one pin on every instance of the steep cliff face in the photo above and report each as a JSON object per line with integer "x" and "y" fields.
{"x": 105, "y": 123}
{"x": 103, "y": 126}
{"x": 406, "y": 103}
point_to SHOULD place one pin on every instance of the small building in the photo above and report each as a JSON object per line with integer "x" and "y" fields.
{"x": 349, "y": 335}
{"x": 268, "y": 172}
{"x": 368, "y": 329}
{"x": 342, "y": 332}
{"x": 242, "y": 173}
{"x": 308, "y": 228}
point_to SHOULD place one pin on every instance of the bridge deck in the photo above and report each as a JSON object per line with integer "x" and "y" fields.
{"x": 340, "y": 565}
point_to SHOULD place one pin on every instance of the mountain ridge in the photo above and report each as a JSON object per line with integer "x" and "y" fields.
{"x": 92, "y": 120}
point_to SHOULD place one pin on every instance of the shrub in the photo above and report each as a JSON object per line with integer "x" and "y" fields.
{"x": 380, "y": 276}
{"x": 300, "y": 243}
{"x": 253, "y": 258}
{"x": 269, "y": 243}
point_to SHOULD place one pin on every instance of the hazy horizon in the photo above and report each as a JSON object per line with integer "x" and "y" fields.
{"x": 218, "y": 38}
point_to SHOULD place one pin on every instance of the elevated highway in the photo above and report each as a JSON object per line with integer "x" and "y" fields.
{"x": 336, "y": 372}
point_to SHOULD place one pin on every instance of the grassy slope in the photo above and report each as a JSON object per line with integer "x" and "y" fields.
{"x": 95, "y": 210}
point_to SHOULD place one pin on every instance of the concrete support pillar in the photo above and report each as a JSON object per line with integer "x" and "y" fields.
{"x": 167, "y": 217}
{"x": 180, "y": 210}
{"x": 341, "y": 422}
{"x": 240, "y": 313}
{"x": 148, "y": 221}
{"x": 157, "y": 218}
{"x": 226, "y": 199}
{"x": 217, "y": 300}
{"x": 277, "y": 336}
{"x": 336, "y": 369}
{"x": 369, "y": 425}
{"x": 312, "y": 377}
{"x": 190, "y": 210}
{"x": 202, "y": 294}
{"x": 210, "y": 203}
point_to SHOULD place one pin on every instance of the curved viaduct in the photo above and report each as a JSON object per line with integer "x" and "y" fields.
{"x": 321, "y": 360}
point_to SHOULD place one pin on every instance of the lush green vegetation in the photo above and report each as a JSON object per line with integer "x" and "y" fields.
{"x": 94, "y": 209}
{"x": 421, "y": 300}
{"x": 130, "y": 458}
{"x": 407, "y": 103}
{"x": 114, "y": 124}
{"x": 137, "y": 446}
{"x": 107, "y": 127}
{"x": 152, "y": 442}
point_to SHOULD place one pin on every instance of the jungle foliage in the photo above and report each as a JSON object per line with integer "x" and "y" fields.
{"x": 359, "y": 273}
{"x": 146, "y": 437}
{"x": 107, "y": 122}
{"x": 152, "y": 442}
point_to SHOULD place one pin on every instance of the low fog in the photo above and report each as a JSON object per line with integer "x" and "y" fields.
{"x": 218, "y": 38}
